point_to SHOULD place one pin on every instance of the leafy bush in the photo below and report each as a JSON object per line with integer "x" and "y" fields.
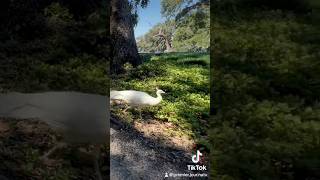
{"x": 68, "y": 53}
{"x": 265, "y": 93}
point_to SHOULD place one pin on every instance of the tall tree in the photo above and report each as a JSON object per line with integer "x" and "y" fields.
{"x": 165, "y": 34}
{"x": 122, "y": 20}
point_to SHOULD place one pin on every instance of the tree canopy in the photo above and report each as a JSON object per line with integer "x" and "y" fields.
{"x": 179, "y": 8}
{"x": 187, "y": 28}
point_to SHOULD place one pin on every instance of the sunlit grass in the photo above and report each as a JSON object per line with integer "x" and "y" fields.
{"x": 184, "y": 78}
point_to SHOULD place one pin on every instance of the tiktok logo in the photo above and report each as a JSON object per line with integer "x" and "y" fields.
{"x": 196, "y": 158}
{"x": 197, "y": 167}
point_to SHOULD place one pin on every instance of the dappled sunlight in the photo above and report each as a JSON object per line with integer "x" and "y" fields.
{"x": 186, "y": 102}
{"x": 166, "y": 133}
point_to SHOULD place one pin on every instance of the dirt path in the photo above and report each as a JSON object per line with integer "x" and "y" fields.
{"x": 134, "y": 156}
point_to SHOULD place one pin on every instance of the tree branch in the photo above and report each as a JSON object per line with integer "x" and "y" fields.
{"x": 186, "y": 10}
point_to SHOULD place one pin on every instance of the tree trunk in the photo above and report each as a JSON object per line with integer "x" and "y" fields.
{"x": 168, "y": 45}
{"x": 124, "y": 47}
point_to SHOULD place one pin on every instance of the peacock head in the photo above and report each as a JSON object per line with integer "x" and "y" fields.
{"x": 159, "y": 91}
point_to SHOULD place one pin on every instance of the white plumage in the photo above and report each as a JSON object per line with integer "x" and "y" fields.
{"x": 81, "y": 118}
{"x": 136, "y": 98}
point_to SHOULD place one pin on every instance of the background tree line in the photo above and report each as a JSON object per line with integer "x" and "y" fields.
{"x": 190, "y": 34}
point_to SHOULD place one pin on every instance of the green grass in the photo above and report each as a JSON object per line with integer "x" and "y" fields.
{"x": 84, "y": 73}
{"x": 265, "y": 87}
{"x": 185, "y": 79}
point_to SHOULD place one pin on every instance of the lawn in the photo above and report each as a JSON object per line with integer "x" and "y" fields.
{"x": 265, "y": 93}
{"x": 185, "y": 79}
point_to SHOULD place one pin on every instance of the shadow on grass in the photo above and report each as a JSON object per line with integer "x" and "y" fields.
{"x": 185, "y": 79}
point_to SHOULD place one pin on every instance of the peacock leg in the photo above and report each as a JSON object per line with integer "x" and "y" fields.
{"x": 125, "y": 110}
{"x": 140, "y": 113}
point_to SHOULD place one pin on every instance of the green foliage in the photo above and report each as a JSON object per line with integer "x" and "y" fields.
{"x": 184, "y": 78}
{"x": 179, "y": 8}
{"x": 193, "y": 32}
{"x": 78, "y": 74}
{"x": 300, "y": 6}
{"x": 69, "y": 54}
{"x": 190, "y": 34}
{"x": 170, "y": 7}
{"x": 152, "y": 42}
{"x": 134, "y": 5}
{"x": 265, "y": 93}
{"x": 58, "y": 13}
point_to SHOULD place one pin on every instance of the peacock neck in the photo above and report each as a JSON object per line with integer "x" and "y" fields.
{"x": 159, "y": 97}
